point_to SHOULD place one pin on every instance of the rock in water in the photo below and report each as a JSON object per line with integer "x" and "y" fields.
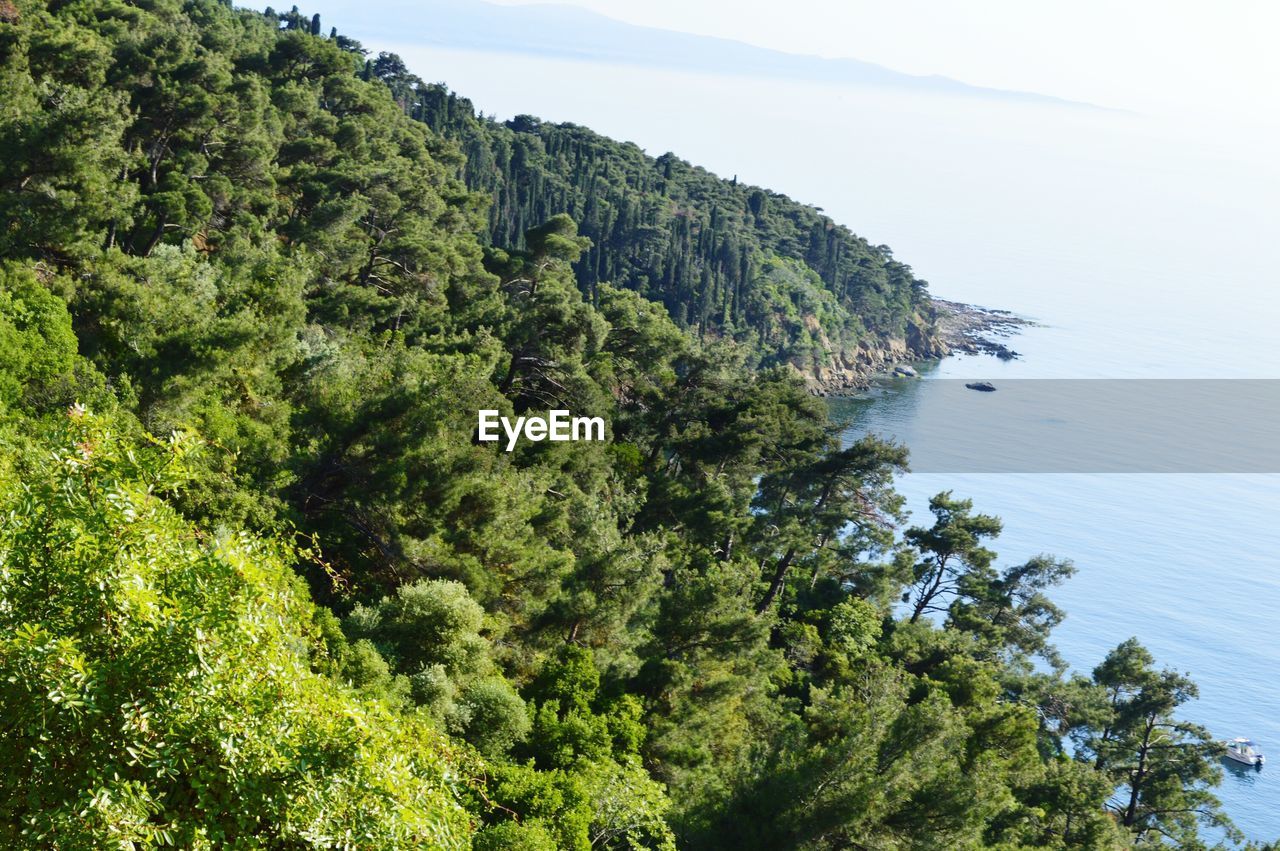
{"x": 982, "y": 386}
{"x": 905, "y": 371}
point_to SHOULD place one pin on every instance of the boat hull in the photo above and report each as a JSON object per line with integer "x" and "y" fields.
{"x": 1249, "y": 757}
{"x": 1243, "y": 760}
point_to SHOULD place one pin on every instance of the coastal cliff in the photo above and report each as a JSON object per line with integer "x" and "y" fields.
{"x": 956, "y": 328}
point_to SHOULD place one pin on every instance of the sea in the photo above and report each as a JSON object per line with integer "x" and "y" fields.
{"x": 1144, "y": 247}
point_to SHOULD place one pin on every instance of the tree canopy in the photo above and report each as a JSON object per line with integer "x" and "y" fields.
{"x": 262, "y": 588}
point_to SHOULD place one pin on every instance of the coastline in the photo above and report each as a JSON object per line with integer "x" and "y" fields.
{"x": 958, "y": 327}
{"x": 974, "y": 329}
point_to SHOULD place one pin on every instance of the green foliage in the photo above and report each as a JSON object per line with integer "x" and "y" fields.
{"x": 950, "y": 551}
{"x": 1161, "y": 765}
{"x": 38, "y": 358}
{"x": 724, "y": 258}
{"x": 591, "y": 788}
{"x": 157, "y": 684}
{"x": 219, "y": 222}
{"x": 423, "y": 645}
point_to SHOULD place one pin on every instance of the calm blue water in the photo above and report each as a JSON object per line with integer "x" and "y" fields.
{"x": 1147, "y": 246}
{"x": 1185, "y": 562}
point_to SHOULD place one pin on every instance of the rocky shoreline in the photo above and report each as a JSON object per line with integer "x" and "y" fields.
{"x": 977, "y": 330}
{"x": 960, "y": 328}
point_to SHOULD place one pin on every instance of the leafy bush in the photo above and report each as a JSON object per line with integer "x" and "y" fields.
{"x": 156, "y": 682}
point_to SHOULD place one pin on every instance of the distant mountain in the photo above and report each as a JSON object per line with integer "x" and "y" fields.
{"x": 570, "y": 32}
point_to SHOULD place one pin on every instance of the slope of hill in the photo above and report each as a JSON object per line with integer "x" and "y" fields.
{"x": 726, "y": 259}
{"x": 262, "y": 586}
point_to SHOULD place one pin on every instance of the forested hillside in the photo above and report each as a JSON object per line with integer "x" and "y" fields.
{"x": 260, "y": 587}
{"x": 725, "y": 259}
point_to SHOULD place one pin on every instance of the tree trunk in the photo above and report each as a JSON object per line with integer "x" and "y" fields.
{"x": 1139, "y": 776}
{"x": 779, "y": 578}
{"x": 511, "y": 374}
{"x": 926, "y": 597}
{"x": 155, "y": 238}
{"x": 784, "y": 564}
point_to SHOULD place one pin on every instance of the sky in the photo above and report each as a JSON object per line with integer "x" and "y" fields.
{"x": 1215, "y": 59}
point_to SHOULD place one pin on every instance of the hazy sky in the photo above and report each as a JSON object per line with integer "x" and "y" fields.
{"x": 1212, "y": 58}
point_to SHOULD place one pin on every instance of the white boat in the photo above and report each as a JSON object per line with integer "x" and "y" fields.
{"x": 1243, "y": 750}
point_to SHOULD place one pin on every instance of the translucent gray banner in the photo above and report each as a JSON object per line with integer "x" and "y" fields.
{"x": 1078, "y": 426}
